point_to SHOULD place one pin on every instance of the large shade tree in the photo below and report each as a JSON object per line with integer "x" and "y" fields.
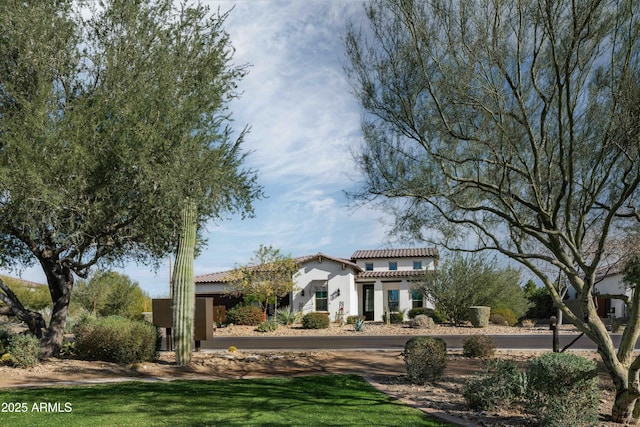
{"x": 514, "y": 126}
{"x": 112, "y": 114}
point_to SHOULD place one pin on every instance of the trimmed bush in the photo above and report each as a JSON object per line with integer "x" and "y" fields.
{"x": 268, "y": 326}
{"x": 501, "y": 386}
{"x": 496, "y": 319}
{"x": 315, "y": 320}
{"x": 479, "y": 316}
{"x": 425, "y": 359}
{"x": 563, "y": 390}
{"x": 507, "y": 314}
{"x": 116, "y": 339}
{"x": 422, "y": 322}
{"x": 478, "y": 346}
{"x": 250, "y": 315}
{"x": 436, "y": 315}
{"x": 286, "y": 316}
{"x": 351, "y": 320}
{"x": 24, "y": 350}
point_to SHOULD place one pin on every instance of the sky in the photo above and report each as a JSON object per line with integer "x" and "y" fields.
{"x": 304, "y": 122}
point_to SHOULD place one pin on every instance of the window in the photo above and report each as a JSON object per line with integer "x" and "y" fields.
{"x": 417, "y": 265}
{"x": 417, "y": 300}
{"x": 393, "y": 265}
{"x": 368, "y": 266}
{"x": 321, "y": 301}
{"x": 393, "y": 297}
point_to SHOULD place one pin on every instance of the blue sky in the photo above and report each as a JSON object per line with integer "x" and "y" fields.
{"x": 305, "y": 122}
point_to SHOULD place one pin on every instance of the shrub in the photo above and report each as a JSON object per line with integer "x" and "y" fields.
{"x": 24, "y": 350}
{"x": 479, "y": 316}
{"x": 500, "y": 386}
{"x": 116, "y": 339}
{"x": 268, "y": 326}
{"x": 5, "y": 338}
{"x": 507, "y": 314}
{"x": 436, "y": 315}
{"x": 478, "y": 346}
{"x": 528, "y": 323}
{"x": 315, "y": 321}
{"x": 5, "y": 358}
{"x": 397, "y": 317}
{"x": 563, "y": 390}
{"x": 496, "y": 319}
{"x": 249, "y": 315}
{"x": 422, "y": 322}
{"x": 286, "y": 316}
{"x": 425, "y": 359}
{"x": 352, "y": 319}
{"x": 358, "y": 326}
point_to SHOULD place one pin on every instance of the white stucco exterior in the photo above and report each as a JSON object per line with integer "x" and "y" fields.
{"x": 341, "y": 286}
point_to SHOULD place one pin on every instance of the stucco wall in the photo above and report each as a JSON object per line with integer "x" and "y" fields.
{"x": 330, "y": 275}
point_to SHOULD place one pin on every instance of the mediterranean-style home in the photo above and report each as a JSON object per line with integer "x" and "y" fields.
{"x": 367, "y": 284}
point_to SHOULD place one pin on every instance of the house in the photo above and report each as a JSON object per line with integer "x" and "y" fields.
{"x": 609, "y": 282}
{"x": 367, "y": 284}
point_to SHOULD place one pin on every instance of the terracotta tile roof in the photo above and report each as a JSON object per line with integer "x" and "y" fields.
{"x": 609, "y": 270}
{"x": 395, "y": 253}
{"x": 348, "y": 262}
{"x": 221, "y": 276}
{"x": 384, "y": 274}
{"x": 218, "y": 277}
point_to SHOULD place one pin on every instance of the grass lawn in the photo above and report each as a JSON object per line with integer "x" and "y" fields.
{"x": 339, "y": 400}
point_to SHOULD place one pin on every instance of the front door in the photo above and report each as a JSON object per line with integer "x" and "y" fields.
{"x": 367, "y": 301}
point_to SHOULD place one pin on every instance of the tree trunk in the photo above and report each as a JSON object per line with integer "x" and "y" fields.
{"x": 623, "y": 410}
{"x": 60, "y": 281}
{"x": 184, "y": 286}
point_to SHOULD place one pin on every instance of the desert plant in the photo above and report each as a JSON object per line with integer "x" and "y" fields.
{"x": 425, "y": 359}
{"x": 183, "y": 298}
{"x": 286, "y": 316}
{"x": 358, "y": 325}
{"x": 528, "y": 323}
{"x": 397, "y": 316}
{"x": 352, "y": 319}
{"x": 24, "y": 350}
{"x": 436, "y": 315}
{"x": 422, "y": 322}
{"x": 563, "y": 390}
{"x": 478, "y": 346}
{"x": 479, "y": 316}
{"x": 268, "y": 326}
{"x": 507, "y": 314}
{"x": 249, "y": 315}
{"x": 315, "y": 320}
{"x": 500, "y": 386}
{"x": 5, "y": 338}
{"x": 116, "y": 339}
{"x": 497, "y": 319}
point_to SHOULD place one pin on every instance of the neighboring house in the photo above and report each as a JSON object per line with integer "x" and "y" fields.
{"x": 367, "y": 284}
{"x": 609, "y": 282}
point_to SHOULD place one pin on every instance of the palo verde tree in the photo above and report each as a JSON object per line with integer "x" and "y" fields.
{"x": 463, "y": 281}
{"x": 514, "y": 126}
{"x": 111, "y": 116}
{"x": 269, "y": 275}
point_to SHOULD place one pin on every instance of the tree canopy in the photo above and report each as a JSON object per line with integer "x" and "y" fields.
{"x": 268, "y": 275}
{"x": 111, "y": 115}
{"x": 512, "y": 127}
{"x": 461, "y": 282}
{"x": 109, "y": 293}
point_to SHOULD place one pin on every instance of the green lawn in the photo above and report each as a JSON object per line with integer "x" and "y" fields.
{"x": 340, "y": 400}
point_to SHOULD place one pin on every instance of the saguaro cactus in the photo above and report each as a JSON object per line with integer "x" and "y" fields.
{"x": 184, "y": 285}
